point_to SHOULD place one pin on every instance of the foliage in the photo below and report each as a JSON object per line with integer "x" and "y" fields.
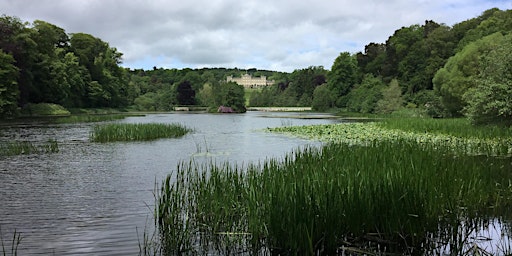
{"x": 45, "y": 109}
{"x": 232, "y": 95}
{"x": 342, "y": 77}
{"x": 461, "y": 71}
{"x": 391, "y": 98}
{"x": 8, "y": 85}
{"x": 364, "y": 97}
{"x": 322, "y": 98}
{"x": 136, "y": 132}
{"x": 490, "y": 100}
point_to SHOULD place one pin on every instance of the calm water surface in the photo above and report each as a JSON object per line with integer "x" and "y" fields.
{"x": 93, "y": 198}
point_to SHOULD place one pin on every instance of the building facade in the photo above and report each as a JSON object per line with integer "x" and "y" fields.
{"x": 247, "y": 81}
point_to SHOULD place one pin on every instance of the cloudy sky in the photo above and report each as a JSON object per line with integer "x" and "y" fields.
{"x": 281, "y": 35}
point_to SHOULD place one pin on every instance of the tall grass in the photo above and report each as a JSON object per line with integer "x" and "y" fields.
{"x": 90, "y": 118}
{"x": 27, "y": 147}
{"x": 388, "y": 196}
{"x": 136, "y": 132}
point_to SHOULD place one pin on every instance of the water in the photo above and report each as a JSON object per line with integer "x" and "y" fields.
{"x": 93, "y": 198}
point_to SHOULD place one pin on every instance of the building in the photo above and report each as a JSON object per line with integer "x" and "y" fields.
{"x": 247, "y": 81}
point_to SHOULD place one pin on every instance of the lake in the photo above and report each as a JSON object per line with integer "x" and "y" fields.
{"x": 95, "y": 198}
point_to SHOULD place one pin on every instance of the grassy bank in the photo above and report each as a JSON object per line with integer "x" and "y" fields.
{"x": 136, "y": 132}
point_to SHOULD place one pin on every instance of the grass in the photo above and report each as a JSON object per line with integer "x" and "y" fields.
{"x": 373, "y": 188}
{"x": 27, "y": 147}
{"x": 136, "y": 132}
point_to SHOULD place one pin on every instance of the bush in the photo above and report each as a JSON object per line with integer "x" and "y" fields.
{"x": 45, "y": 109}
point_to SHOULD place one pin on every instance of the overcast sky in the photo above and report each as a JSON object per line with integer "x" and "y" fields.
{"x": 281, "y": 35}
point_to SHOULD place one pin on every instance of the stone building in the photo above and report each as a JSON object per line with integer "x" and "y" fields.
{"x": 247, "y": 81}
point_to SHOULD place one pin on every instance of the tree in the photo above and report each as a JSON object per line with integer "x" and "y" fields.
{"x": 364, "y": 97}
{"x": 17, "y": 40}
{"x": 342, "y": 77}
{"x": 185, "y": 94}
{"x": 233, "y": 96}
{"x": 322, "y": 98}
{"x": 391, "y": 98}
{"x": 461, "y": 71}
{"x": 490, "y": 101}
{"x": 8, "y": 85}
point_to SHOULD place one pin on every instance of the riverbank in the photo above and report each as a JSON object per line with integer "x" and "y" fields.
{"x": 279, "y": 109}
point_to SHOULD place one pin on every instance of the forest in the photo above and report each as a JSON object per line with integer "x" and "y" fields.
{"x": 430, "y": 69}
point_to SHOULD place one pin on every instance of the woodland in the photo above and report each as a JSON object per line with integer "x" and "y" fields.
{"x": 429, "y": 69}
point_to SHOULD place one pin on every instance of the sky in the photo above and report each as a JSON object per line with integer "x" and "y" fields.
{"x": 279, "y": 35}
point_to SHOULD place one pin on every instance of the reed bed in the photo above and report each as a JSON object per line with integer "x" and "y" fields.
{"x": 27, "y": 147}
{"x": 385, "y": 196}
{"x": 136, "y": 132}
{"x": 90, "y": 118}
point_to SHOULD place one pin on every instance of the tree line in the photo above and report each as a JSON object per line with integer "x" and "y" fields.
{"x": 439, "y": 70}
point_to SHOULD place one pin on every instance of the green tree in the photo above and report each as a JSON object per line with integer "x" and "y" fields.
{"x": 16, "y": 39}
{"x": 461, "y": 71}
{"x": 391, "y": 98}
{"x": 323, "y": 98}
{"x": 342, "y": 77}
{"x": 490, "y": 101}
{"x": 364, "y": 97}
{"x": 8, "y": 85}
{"x": 233, "y": 96}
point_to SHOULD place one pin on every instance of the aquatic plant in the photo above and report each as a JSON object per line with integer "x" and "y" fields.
{"x": 16, "y": 240}
{"x": 365, "y": 133}
{"x": 136, "y": 132}
{"x": 385, "y": 196}
{"x": 90, "y": 118}
{"x": 28, "y": 147}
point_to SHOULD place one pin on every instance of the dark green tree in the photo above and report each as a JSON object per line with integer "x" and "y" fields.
{"x": 342, "y": 77}
{"x": 233, "y": 96}
{"x": 8, "y": 86}
{"x": 185, "y": 94}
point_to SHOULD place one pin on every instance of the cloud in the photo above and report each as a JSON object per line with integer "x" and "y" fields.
{"x": 270, "y": 34}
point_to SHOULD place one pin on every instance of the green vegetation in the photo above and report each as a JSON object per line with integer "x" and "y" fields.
{"x": 45, "y": 109}
{"x": 440, "y": 70}
{"x": 27, "y": 147}
{"x": 360, "y": 195}
{"x": 136, "y": 132}
{"x": 90, "y": 118}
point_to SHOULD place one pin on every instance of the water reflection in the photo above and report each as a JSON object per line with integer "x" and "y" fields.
{"x": 91, "y": 197}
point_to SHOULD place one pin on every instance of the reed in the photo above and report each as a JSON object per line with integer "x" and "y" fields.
{"x": 136, "y": 132}
{"x": 387, "y": 196}
{"x": 27, "y": 147}
{"x": 90, "y": 118}
{"x": 16, "y": 240}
